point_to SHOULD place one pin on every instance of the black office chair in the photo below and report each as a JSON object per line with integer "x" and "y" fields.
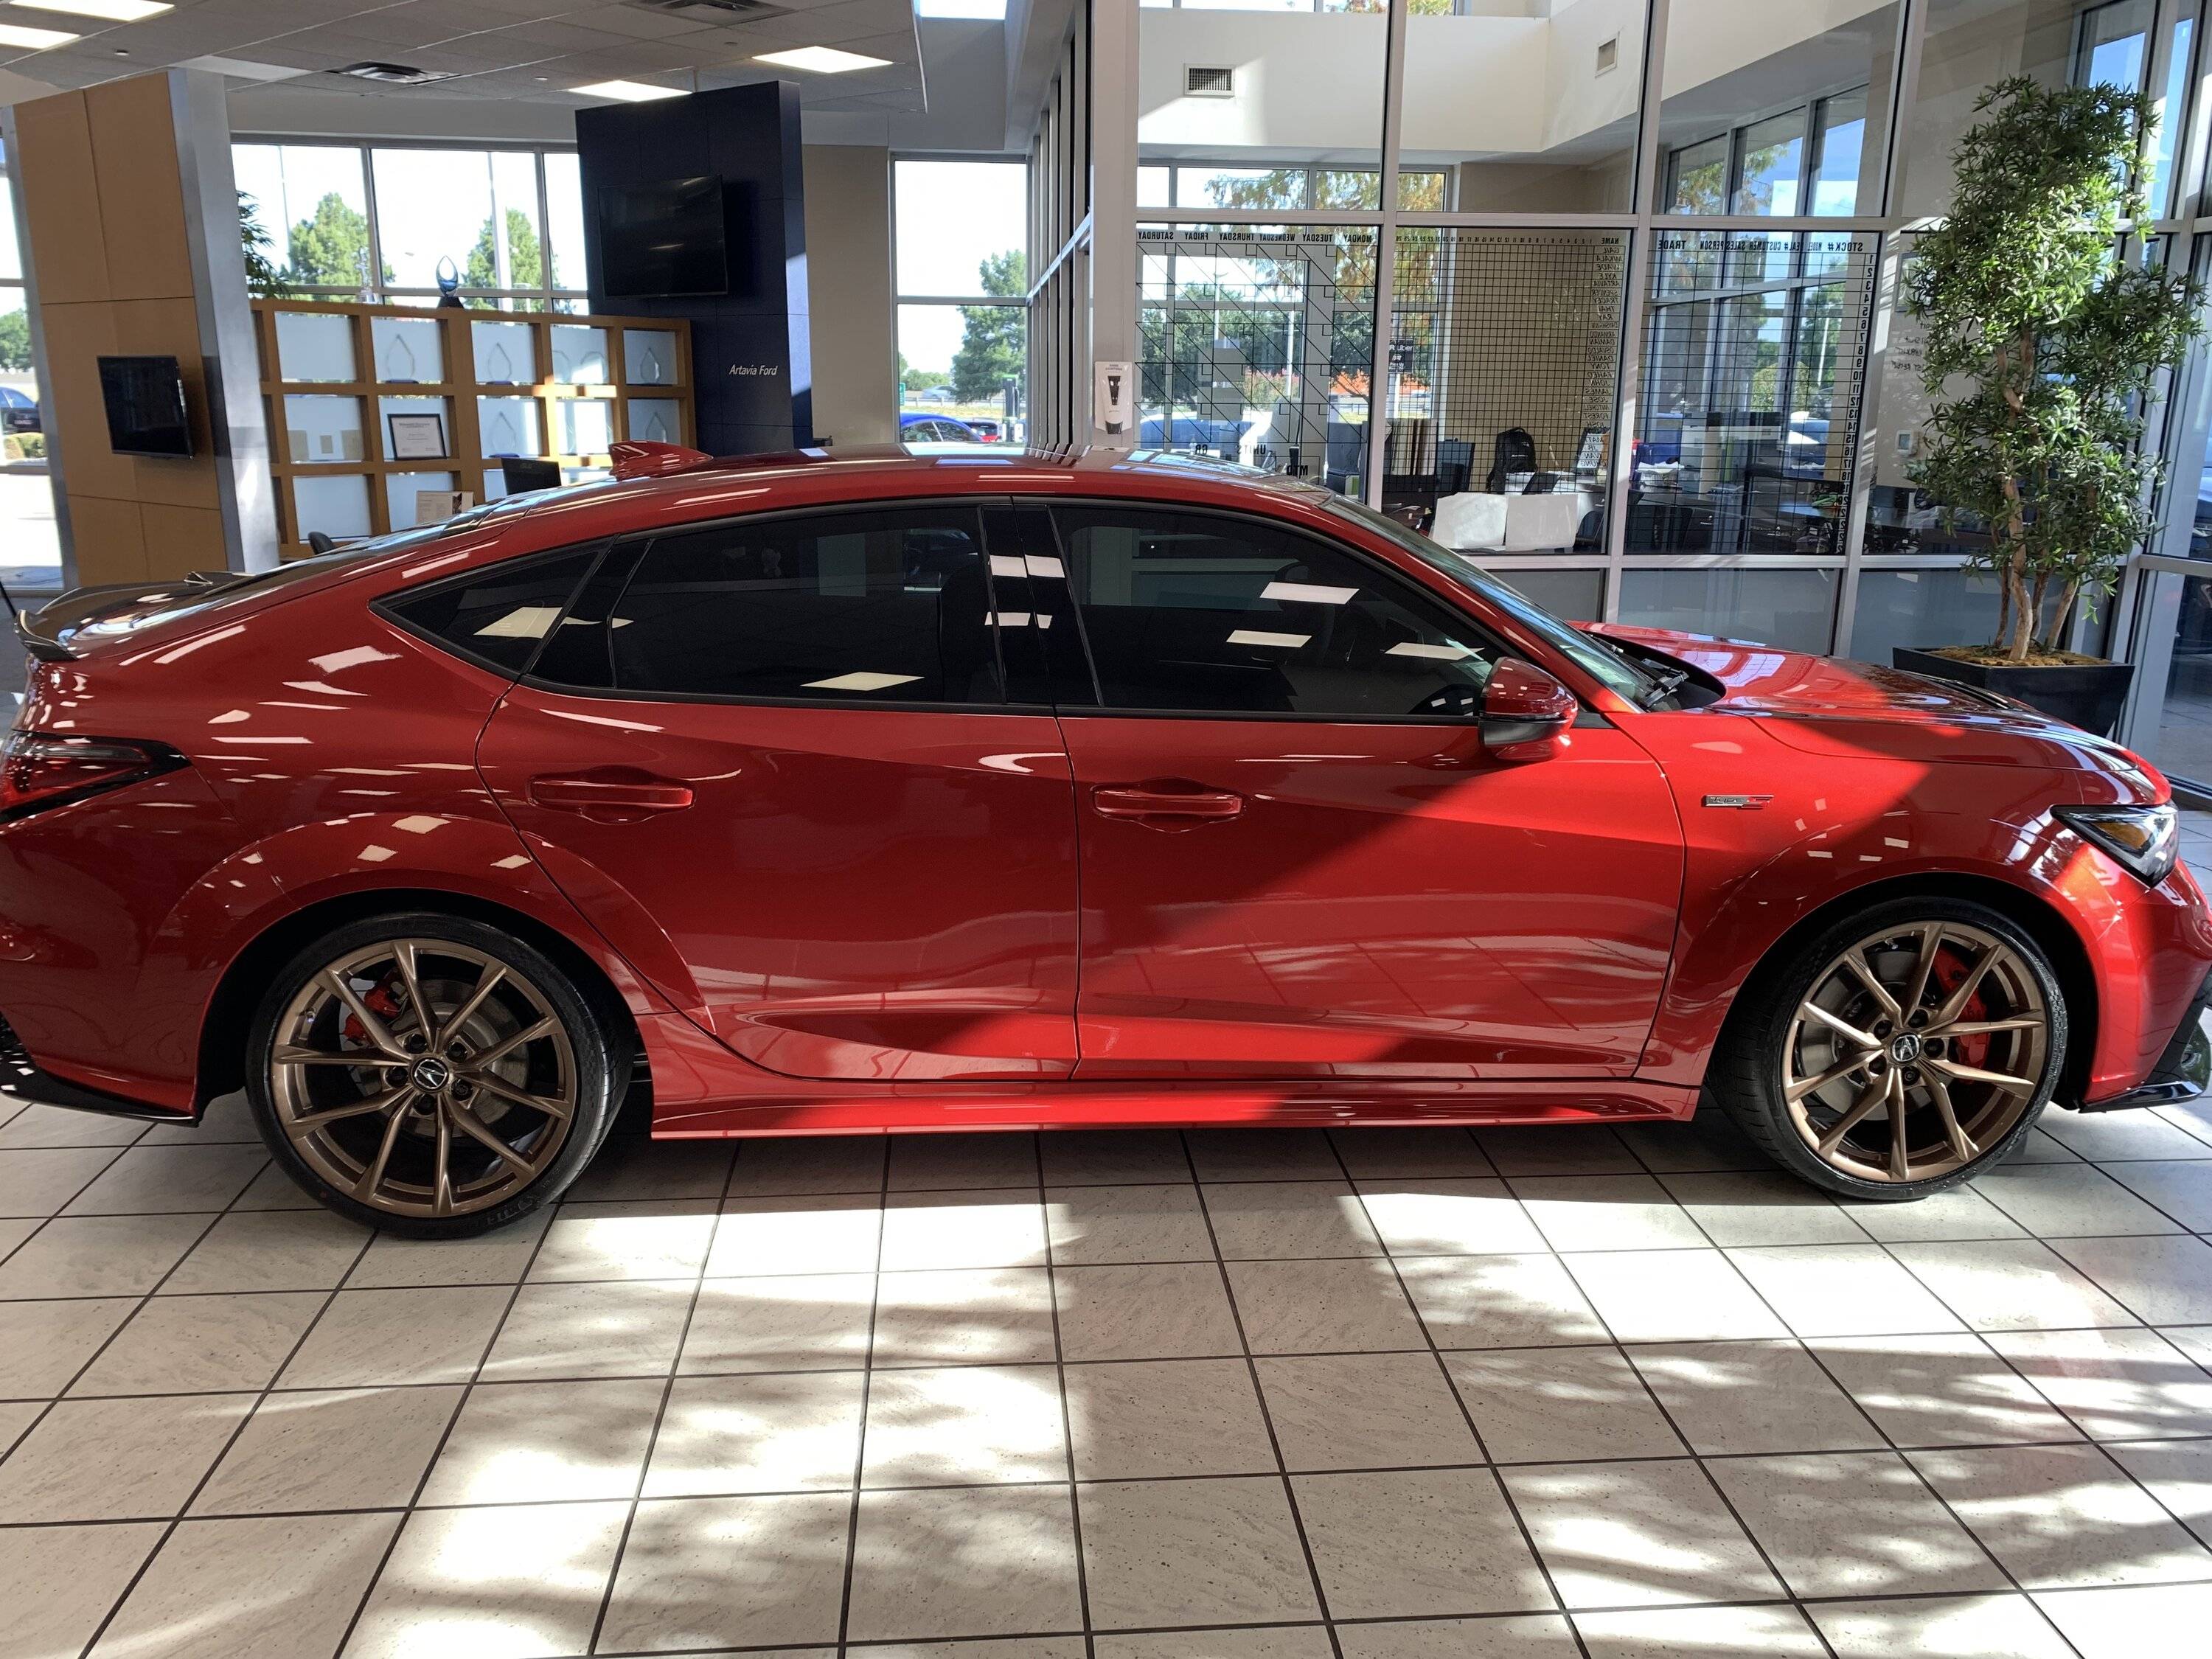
{"x": 1512, "y": 450}
{"x": 1455, "y": 465}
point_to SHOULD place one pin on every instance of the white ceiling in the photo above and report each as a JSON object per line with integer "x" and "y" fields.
{"x": 514, "y": 50}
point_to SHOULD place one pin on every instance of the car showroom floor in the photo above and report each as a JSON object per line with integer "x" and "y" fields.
{"x": 1226, "y": 1396}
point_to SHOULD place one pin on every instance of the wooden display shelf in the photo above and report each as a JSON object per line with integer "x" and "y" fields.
{"x": 459, "y": 392}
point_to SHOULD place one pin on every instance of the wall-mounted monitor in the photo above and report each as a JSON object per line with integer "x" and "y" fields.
{"x": 145, "y": 399}
{"x": 660, "y": 240}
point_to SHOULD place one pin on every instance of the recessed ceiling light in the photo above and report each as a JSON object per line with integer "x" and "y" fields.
{"x": 14, "y": 35}
{"x": 109, "y": 11}
{"x": 628, "y": 92}
{"x": 985, "y": 11}
{"x": 822, "y": 60}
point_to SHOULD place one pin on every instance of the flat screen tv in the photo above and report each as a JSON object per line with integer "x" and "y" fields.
{"x": 663, "y": 240}
{"x": 145, "y": 399}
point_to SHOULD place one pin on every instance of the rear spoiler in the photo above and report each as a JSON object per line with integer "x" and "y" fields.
{"x": 45, "y": 632}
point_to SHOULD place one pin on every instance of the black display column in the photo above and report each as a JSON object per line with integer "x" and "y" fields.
{"x": 752, "y": 379}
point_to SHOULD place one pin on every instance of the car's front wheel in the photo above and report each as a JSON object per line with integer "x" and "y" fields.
{"x": 1900, "y": 1052}
{"x": 430, "y": 1075}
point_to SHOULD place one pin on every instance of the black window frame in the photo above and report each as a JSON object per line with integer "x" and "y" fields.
{"x": 1415, "y": 597}
{"x": 633, "y": 547}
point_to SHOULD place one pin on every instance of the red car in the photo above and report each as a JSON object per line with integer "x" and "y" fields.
{"x": 901, "y": 792}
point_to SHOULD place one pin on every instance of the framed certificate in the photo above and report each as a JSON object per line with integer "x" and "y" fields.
{"x": 416, "y": 437}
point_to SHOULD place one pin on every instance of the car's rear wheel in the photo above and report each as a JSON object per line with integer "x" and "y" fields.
{"x": 429, "y": 1074}
{"x": 1898, "y": 1053}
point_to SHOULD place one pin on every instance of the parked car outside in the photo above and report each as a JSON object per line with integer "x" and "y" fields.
{"x": 896, "y": 792}
{"x": 19, "y": 410}
{"x": 915, "y": 428}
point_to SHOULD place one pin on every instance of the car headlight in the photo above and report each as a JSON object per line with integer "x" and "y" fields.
{"x": 2146, "y": 839}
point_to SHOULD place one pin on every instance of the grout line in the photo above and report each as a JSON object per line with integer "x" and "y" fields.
{"x": 445, "y": 1437}
{"x": 1050, "y": 1267}
{"x": 1505, "y": 1491}
{"x": 1267, "y": 1417}
{"x": 660, "y": 1412}
{"x": 861, "y": 1439}
{"x": 1066, "y": 1416}
{"x": 1895, "y": 1452}
{"x": 184, "y": 1509}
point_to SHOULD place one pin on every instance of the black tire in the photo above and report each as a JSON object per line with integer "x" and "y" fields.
{"x": 414, "y": 1188}
{"x": 1747, "y": 1080}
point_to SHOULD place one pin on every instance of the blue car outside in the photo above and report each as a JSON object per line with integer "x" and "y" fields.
{"x": 919, "y": 428}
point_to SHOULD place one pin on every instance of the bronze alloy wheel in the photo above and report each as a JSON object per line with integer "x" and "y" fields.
{"x": 1915, "y": 1051}
{"x": 423, "y": 1077}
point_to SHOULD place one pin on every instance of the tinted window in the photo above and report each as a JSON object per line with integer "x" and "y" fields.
{"x": 1199, "y": 612}
{"x": 891, "y": 606}
{"x": 500, "y": 613}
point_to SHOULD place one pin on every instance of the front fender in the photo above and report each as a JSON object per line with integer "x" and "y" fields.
{"x": 1846, "y": 828}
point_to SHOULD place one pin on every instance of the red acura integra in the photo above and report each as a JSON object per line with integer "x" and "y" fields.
{"x": 903, "y": 793}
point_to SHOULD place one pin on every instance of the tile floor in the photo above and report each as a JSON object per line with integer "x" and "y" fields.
{"x": 1393, "y": 1394}
{"x": 1230, "y": 1395}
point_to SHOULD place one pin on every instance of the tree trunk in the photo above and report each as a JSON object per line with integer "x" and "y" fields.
{"x": 2062, "y": 624}
{"x": 2024, "y": 640}
{"x": 2023, "y": 612}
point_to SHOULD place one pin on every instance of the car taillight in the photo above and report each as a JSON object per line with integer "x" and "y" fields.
{"x": 39, "y": 770}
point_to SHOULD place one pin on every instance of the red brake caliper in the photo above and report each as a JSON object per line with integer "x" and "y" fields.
{"x": 1972, "y": 1050}
{"x": 381, "y": 1003}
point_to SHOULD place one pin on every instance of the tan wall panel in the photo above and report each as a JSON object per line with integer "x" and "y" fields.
{"x": 110, "y": 538}
{"x": 76, "y": 335}
{"x": 170, "y": 328}
{"x": 848, "y": 282}
{"x": 61, "y": 198}
{"x": 141, "y": 195}
{"x": 182, "y": 539}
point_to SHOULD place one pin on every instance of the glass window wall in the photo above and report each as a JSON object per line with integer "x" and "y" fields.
{"x": 30, "y": 544}
{"x": 349, "y": 221}
{"x": 1764, "y": 116}
{"x": 1753, "y": 357}
{"x": 961, "y": 229}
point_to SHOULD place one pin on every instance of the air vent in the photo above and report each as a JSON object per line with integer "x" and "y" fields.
{"x": 713, "y": 11}
{"x": 398, "y": 75}
{"x": 1202, "y": 82}
{"x": 1609, "y": 54}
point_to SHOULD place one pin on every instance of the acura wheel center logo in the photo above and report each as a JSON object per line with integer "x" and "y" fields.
{"x": 1904, "y": 1048}
{"x": 431, "y": 1074}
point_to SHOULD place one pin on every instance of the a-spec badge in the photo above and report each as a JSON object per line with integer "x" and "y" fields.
{"x": 1742, "y": 803}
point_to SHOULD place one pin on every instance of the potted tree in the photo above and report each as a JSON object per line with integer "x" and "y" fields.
{"x": 2043, "y": 341}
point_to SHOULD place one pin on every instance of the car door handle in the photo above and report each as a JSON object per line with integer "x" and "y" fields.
{"x": 1139, "y": 800}
{"x": 611, "y": 796}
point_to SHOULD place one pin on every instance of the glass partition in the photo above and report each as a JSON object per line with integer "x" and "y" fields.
{"x": 1505, "y": 364}
{"x": 1754, "y": 360}
{"x": 1256, "y": 347}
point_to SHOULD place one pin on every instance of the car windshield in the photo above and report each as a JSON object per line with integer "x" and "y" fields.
{"x": 1597, "y": 657}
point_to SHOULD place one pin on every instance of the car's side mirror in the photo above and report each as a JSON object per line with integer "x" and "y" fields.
{"x": 1527, "y": 715}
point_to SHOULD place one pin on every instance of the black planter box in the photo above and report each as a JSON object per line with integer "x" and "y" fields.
{"x": 2088, "y": 694}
